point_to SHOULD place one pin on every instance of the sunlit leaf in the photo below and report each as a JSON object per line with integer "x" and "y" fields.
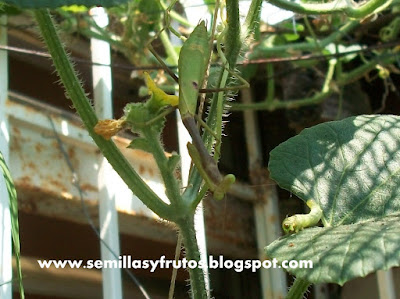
{"x": 341, "y": 253}
{"x": 351, "y": 169}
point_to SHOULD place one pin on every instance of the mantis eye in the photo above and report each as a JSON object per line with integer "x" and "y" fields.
{"x": 195, "y": 85}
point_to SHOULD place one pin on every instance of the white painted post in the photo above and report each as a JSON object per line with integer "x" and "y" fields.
{"x": 109, "y": 231}
{"x": 386, "y": 284}
{"x": 5, "y": 220}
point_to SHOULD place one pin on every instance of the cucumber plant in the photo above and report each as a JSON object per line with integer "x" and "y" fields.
{"x": 182, "y": 206}
{"x": 344, "y": 154}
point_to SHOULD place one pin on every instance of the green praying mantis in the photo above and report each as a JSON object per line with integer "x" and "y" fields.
{"x": 192, "y": 67}
{"x": 193, "y": 64}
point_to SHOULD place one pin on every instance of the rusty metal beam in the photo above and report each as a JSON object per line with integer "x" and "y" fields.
{"x": 82, "y": 283}
{"x": 44, "y": 184}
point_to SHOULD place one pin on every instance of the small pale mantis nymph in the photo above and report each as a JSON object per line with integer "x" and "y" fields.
{"x": 296, "y": 223}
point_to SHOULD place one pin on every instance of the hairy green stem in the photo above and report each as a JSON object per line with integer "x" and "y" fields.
{"x": 177, "y": 17}
{"x": 233, "y": 36}
{"x": 338, "y": 6}
{"x": 233, "y": 44}
{"x": 312, "y": 33}
{"x": 270, "y": 83}
{"x": 277, "y": 104}
{"x": 197, "y": 283}
{"x": 253, "y": 16}
{"x": 269, "y": 105}
{"x": 341, "y": 80}
{"x": 170, "y": 182}
{"x": 383, "y": 60}
{"x": 81, "y": 103}
{"x": 169, "y": 48}
{"x": 298, "y": 289}
{"x": 265, "y": 49}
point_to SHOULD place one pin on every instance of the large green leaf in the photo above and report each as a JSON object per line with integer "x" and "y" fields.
{"x": 59, "y": 3}
{"x": 350, "y": 167}
{"x": 341, "y": 253}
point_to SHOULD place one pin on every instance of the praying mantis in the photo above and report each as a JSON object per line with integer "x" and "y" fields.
{"x": 193, "y": 64}
{"x": 192, "y": 67}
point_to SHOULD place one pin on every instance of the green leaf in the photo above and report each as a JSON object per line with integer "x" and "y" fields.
{"x": 59, "y": 3}
{"x": 140, "y": 116}
{"x": 75, "y": 8}
{"x": 338, "y": 49}
{"x": 290, "y": 26}
{"x": 9, "y": 10}
{"x": 350, "y": 168}
{"x": 141, "y": 144}
{"x": 290, "y": 37}
{"x": 341, "y": 253}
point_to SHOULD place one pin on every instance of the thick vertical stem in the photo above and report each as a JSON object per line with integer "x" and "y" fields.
{"x": 170, "y": 182}
{"x": 298, "y": 289}
{"x": 186, "y": 226}
{"x": 233, "y": 39}
{"x": 77, "y": 95}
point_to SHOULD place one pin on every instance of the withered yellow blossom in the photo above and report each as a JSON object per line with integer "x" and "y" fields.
{"x": 109, "y": 127}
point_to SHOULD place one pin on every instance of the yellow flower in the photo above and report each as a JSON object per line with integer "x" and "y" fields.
{"x": 159, "y": 96}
